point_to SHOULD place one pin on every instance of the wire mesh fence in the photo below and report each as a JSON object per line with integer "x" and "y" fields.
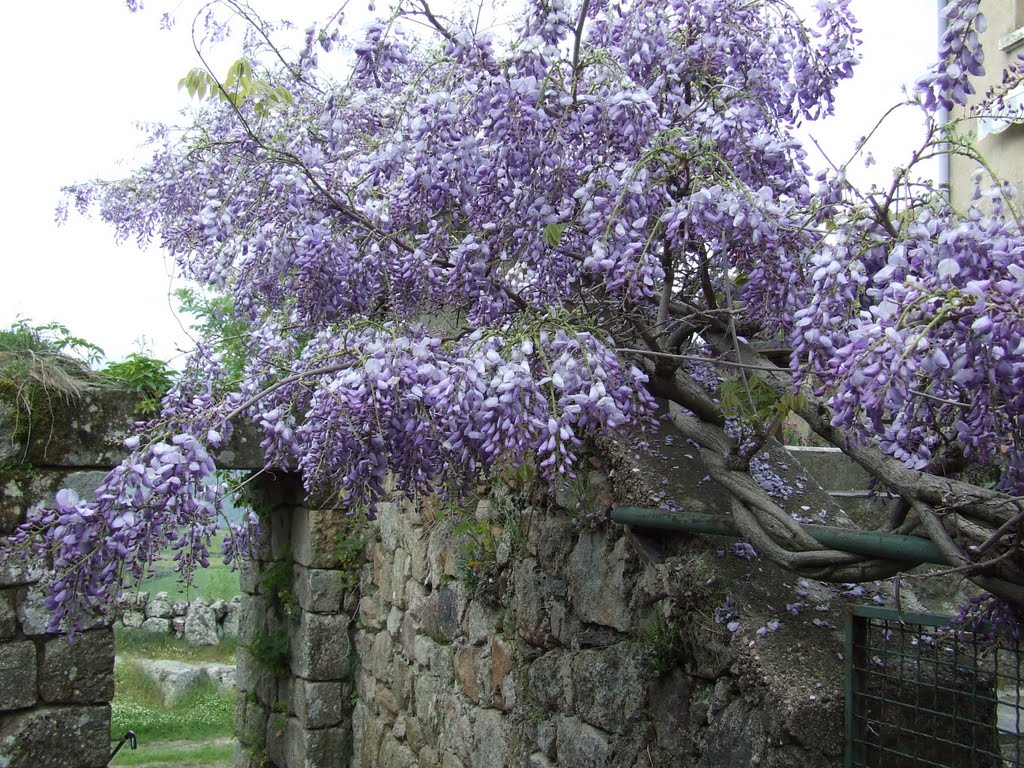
{"x": 918, "y": 694}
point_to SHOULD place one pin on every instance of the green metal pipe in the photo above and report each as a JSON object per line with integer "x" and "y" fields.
{"x": 890, "y": 546}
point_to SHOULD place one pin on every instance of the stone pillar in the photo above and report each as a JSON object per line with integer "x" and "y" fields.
{"x": 54, "y": 695}
{"x": 295, "y": 660}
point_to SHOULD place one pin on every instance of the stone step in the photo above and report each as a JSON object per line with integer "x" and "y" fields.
{"x": 846, "y": 482}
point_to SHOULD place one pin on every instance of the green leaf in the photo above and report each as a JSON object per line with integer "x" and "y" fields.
{"x": 552, "y": 234}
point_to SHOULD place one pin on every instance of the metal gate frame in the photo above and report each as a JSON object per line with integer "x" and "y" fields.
{"x": 918, "y": 694}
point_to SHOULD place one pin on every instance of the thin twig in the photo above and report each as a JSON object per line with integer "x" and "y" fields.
{"x": 968, "y": 568}
{"x": 576, "y": 46}
{"x": 995, "y": 537}
{"x": 437, "y": 24}
{"x": 939, "y": 399}
{"x": 699, "y": 359}
{"x": 287, "y": 380}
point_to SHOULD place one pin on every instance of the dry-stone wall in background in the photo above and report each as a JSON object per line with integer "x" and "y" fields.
{"x": 198, "y": 621}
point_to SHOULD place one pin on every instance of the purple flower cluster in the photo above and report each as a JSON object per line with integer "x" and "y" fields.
{"x": 960, "y": 56}
{"x": 433, "y": 415}
{"x": 921, "y": 341}
{"x": 161, "y": 496}
{"x": 379, "y": 56}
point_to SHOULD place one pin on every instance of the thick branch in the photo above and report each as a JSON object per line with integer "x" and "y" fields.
{"x": 853, "y": 569}
{"x": 683, "y": 390}
{"x": 990, "y": 506}
{"x": 768, "y": 527}
{"x": 937, "y": 532}
{"x": 437, "y": 24}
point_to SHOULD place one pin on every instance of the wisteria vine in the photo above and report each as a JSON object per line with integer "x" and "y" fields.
{"x": 443, "y": 255}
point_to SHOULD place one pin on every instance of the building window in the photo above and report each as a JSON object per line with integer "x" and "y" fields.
{"x": 1014, "y": 38}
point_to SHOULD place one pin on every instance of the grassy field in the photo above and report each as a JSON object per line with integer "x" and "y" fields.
{"x": 196, "y": 727}
{"x": 197, "y": 730}
{"x": 204, "y": 712}
{"x": 178, "y": 755}
{"x": 218, "y": 582}
{"x": 137, "y": 644}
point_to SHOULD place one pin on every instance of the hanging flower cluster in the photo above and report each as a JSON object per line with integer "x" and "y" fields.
{"x": 162, "y": 495}
{"x": 922, "y": 342}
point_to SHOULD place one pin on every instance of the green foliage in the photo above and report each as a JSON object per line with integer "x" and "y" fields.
{"x": 279, "y": 720}
{"x": 663, "y": 643}
{"x": 752, "y": 399}
{"x": 552, "y": 234}
{"x": 478, "y": 559}
{"x": 239, "y": 87}
{"x": 245, "y": 493}
{"x": 276, "y": 586}
{"x": 350, "y": 551}
{"x": 252, "y": 737}
{"x": 272, "y": 651}
{"x": 42, "y": 366}
{"x": 48, "y": 338}
{"x": 521, "y": 477}
{"x": 40, "y": 361}
{"x": 144, "y": 374}
{"x": 217, "y": 325}
{"x": 577, "y": 499}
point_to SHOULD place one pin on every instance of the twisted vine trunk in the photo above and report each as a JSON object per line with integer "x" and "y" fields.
{"x": 974, "y": 527}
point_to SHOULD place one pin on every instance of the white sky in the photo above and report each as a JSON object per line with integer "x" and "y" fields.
{"x": 81, "y": 74}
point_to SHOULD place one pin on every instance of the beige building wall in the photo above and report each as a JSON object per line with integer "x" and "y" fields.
{"x": 1003, "y": 42}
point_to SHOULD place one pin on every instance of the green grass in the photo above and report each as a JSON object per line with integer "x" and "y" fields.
{"x": 175, "y": 754}
{"x": 135, "y": 643}
{"x": 204, "y": 713}
{"x": 218, "y": 582}
{"x": 177, "y": 735}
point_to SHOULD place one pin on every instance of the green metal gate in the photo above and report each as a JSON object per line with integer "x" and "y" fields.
{"x": 918, "y": 695}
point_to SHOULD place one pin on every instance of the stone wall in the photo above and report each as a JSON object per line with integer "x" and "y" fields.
{"x": 525, "y": 630}
{"x": 198, "y": 621}
{"x": 54, "y": 696}
{"x": 295, "y": 662}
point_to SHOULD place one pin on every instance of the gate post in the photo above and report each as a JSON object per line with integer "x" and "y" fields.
{"x": 295, "y": 660}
